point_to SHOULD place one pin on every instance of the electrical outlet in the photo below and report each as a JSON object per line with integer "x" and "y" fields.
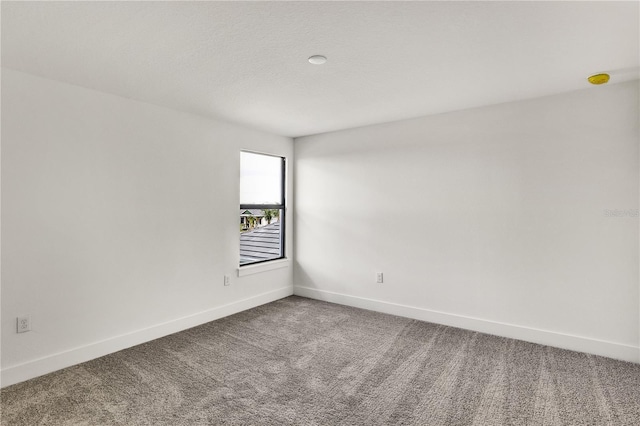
{"x": 24, "y": 324}
{"x": 379, "y": 277}
{"x": 227, "y": 280}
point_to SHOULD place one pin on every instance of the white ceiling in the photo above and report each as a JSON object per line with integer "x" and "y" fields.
{"x": 247, "y": 62}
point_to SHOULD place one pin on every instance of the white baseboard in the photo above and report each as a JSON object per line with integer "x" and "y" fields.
{"x": 48, "y": 364}
{"x": 544, "y": 337}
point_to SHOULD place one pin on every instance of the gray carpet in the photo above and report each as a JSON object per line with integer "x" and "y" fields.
{"x": 302, "y": 362}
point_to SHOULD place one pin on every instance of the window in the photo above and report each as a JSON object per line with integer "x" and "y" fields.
{"x": 262, "y": 208}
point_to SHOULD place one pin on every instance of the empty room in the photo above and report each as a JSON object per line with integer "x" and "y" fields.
{"x": 320, "y": 213}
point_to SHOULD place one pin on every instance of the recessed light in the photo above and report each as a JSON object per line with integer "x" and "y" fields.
{"x": 317, "y": 59}
{"x": 598, "y": 78}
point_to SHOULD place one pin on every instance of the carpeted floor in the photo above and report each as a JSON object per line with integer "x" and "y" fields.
{"x": 303, "y": 362}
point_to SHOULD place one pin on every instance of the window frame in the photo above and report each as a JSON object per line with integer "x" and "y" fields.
{"x": 282, "y": 207}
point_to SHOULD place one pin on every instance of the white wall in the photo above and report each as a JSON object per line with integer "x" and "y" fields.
{"x": 119, "y": 220}
{"x": 491, "y": 219}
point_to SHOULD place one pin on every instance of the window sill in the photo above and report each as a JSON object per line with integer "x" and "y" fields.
{"x": 263, "y": 267}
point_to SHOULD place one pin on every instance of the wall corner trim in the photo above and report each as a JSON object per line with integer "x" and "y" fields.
{"x": 38, "y": 367}
{"x": 544, "y": 337}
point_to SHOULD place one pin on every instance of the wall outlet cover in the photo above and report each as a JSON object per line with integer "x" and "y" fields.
{"x": 23, "y": 324}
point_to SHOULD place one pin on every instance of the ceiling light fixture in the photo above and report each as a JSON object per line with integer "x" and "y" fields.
{"x": 598, "y": 78}
{"x": 317, "y": 59}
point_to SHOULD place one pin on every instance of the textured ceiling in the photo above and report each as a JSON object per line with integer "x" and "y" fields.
{"x": 247, "y": 62}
